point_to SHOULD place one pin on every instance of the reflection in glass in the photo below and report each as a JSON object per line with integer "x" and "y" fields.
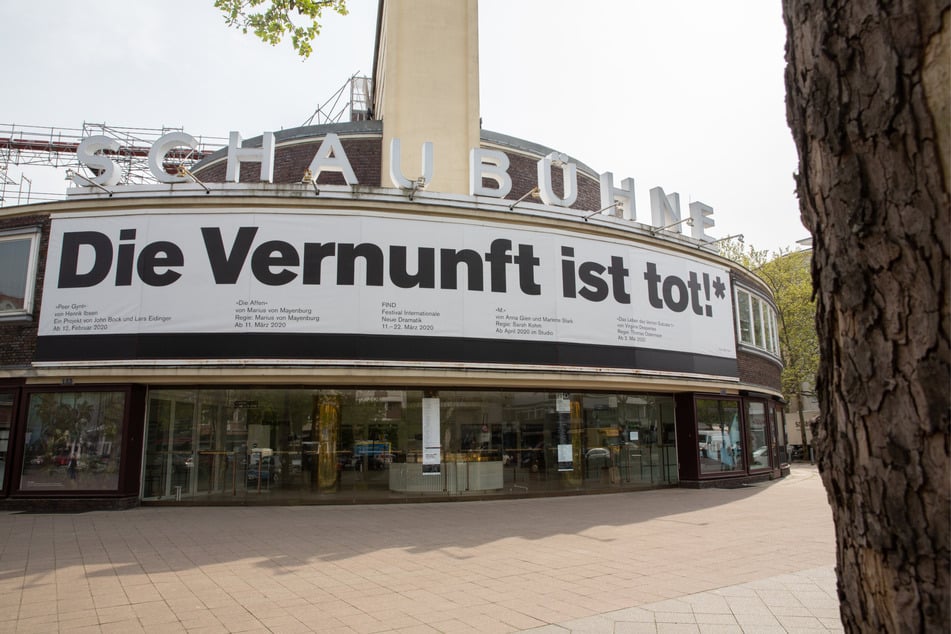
{"x": 6, "y": 422}
{"x": 719, "y": 435}
{"x": 779, "y": 438}
{"x": 758, "y": 323}
{"x": 759, "y": 441}
{"x": 743, "y": 310}
{"x": 266, "y": 444}
{"x": 72, "y": 441}
{"x": 14, "y": 268}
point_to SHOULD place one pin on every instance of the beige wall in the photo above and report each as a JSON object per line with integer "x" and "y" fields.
{"x": 810, "y": 409}
{"x": 428, "y": 87}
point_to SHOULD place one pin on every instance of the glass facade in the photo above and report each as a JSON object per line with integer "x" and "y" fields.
{"x": 778, "y": 420}
{"x": 312, "y": 444}
{"x": 72, "y": 441}
{"x": 6, "y": 424}
{"x": 758, "y": 435}
{"x": 719, "y": 433}
{"x": 739, "y": 435}
{"x": 328, "y": 445}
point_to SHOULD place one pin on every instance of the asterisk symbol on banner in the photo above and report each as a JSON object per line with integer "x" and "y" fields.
{"x": 719, "y": 288}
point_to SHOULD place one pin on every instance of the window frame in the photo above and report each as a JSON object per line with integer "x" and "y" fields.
{"x": 121, "y": 442}
{"x": 761, "y": 321}
{"x": 9, "y": 453}
{"x": 748, "y": 403}
{"x": 29, "y": 293}
{"x": 740, "y": 456}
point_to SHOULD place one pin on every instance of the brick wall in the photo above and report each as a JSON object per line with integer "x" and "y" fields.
{"x": 290, "y": 161}
{"x": 365, "y": 156}
{"x": 759, "y": 370}
{"x": 755, "y": 368}
{"x": 524, "y": 173}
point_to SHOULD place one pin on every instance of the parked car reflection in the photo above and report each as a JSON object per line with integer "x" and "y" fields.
{"x": 264, "y": 472}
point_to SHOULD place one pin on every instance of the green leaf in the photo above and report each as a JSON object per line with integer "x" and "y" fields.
{"x": 297, "y": 19}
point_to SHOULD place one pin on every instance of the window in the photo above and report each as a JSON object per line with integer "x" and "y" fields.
{"x": 775, "y": 348}
{"x": 758, "y": 435}
{"x": 18, "y": 255}
{"x": 71, "y": 441}
{"x": 756, "y": 320}
{"x": 758, "y": 340}
{"x": 743, "y": 310}
{"x": 301, "y": 443}
{"x": 719, "y": 435}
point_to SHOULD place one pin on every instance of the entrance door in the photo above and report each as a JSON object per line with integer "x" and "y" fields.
{"x": 227, "y": 442}
{"x": 184, "y": 454}
{"x": 778, "y": 424}
{"x": 365, "y": 452}
{"x": 6, "y": 423}
{"x": 758, "y": 431}
{"x": 170, "y": 458}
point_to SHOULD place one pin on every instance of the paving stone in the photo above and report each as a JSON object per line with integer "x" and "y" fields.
{"x": 673, "y": 560}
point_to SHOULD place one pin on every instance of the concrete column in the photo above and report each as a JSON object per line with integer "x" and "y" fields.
{"x": 428, "y": 87}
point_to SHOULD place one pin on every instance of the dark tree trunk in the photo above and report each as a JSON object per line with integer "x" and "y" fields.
{"x": 867, "y": 100}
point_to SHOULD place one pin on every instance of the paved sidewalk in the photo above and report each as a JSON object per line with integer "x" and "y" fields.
{"x": 799, "y": 602}
{"x": 754, "y": 559}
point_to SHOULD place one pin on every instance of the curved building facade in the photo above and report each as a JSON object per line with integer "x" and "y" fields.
{"x": 315, "y": 335}
{"x": 404, "y": 307}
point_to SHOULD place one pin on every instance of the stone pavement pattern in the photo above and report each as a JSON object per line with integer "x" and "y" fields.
{"x": 754, "y": 559}
{"x": 799, "y": 602}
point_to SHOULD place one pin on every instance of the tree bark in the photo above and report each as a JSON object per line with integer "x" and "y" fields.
{"x": 867, "y": 99}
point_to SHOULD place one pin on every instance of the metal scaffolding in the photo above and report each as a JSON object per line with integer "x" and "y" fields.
{"x": 40, "y": 148}
{"x": 54, "y": 147}
{"x": 335, "y": 109}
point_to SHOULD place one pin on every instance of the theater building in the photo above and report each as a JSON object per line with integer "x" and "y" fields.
{"x": 403, "y": 307}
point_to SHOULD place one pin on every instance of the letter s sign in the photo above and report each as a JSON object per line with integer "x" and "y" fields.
{"x": 86, "y": 153}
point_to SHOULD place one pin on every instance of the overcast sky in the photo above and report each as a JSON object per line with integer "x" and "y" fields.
{"x": 686, "y": 95}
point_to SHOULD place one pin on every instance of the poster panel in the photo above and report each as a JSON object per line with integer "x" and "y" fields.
{"x": 383, "y": 275}
{"x": 432, "y": 449}
{"x": 267, "y": 272}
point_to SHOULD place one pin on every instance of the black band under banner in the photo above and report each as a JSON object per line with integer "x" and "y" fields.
{"x": 353, "y": 347}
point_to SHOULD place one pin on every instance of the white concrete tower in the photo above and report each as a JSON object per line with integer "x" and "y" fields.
{"x": 427, "y": 87}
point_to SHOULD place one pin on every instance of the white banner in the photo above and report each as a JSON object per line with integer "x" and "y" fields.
{"x": 432, "y": 449}
{"x": 336, "y": 273}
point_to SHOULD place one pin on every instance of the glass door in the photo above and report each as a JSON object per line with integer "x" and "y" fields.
{"x": 170, "y": 458}
{"x": 646, "y": 440}
{"x": 778, "y": 424}
{"x": 759, "y": 457}
{"x": 366, "y": 446}
{"x": 228, "y": 443}
{"x": 6, "y": 423}
{"x": 214, "y": 465}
